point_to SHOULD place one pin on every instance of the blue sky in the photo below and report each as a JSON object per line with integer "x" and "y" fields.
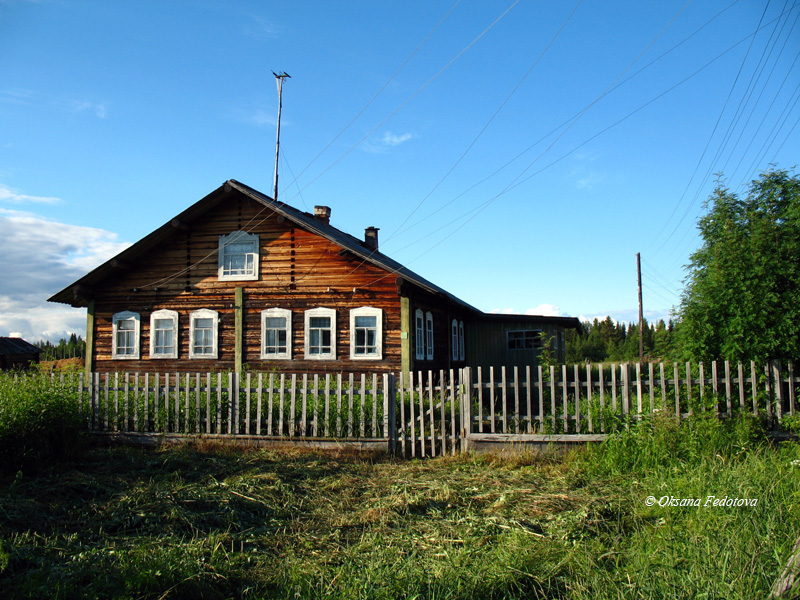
{"x": 517, "y": 153}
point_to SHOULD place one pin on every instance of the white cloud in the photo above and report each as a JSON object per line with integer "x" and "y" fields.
{"x": 14, "y": 197}
{"x": 262, "y": 118}
{"x": 392, "y": 139}
{"x": 547, "y": 310}
{"x": 99, "y": 110}
{"x": 389, "y": 140}
{"x": 16, "y": 96}
{"x": 41, "y": 257}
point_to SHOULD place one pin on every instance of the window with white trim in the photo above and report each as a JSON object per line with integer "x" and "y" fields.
{"x": 419, "y": 338}
{"x": 276, "y": 334}
{"x": 429, "y": 335}
{"x": 320, "y": 334}
{"x": 238, "y": 257}
{"x": 454, "y": 339}
{"x": 366, "y": 333}
{"x": 125, "y": 328}
{"x": 203, "y": 333}
{"x": 164, "y": 334}
{"x": 461, "y": 345}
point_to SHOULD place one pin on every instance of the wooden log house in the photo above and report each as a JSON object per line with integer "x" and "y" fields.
{"x": 241, "y": 279}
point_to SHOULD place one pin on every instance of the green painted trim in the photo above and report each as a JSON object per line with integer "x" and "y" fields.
{"x": 239, "y": 325}
{"x": 406, "y": 360}
{"x": 89, "y": 360}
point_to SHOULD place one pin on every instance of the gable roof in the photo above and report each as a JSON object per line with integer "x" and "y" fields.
{"x": 11, "y": 346}
{"x": 79, "y": 292}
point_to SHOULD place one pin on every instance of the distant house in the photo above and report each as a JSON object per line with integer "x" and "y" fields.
{"x": 239, "y": 278}
{"x": 16, "y": 353}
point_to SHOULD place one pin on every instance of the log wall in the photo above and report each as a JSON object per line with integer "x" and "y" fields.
{"x": 299, "y": 270}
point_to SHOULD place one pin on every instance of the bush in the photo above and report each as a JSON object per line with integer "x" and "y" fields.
{"x": 39, "y": 421}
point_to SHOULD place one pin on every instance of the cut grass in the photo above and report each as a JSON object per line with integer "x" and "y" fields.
{"x": 219, "y": 523}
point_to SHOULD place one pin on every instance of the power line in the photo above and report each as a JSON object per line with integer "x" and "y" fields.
{"x": 410, "y": 98}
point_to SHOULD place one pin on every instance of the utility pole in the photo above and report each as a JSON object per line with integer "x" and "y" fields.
{"x": 641, "y": 311}
{"x": 279, "y": 77}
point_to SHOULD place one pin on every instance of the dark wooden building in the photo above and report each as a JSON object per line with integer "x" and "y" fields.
{"x": 239, "y": 278}
{"x": 16, "y": 353}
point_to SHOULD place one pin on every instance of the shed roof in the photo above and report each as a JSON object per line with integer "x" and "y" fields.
{"x": 11, "y": 345}
{"x": 79, "y": 292}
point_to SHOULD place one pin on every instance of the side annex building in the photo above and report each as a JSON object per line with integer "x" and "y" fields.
{"x": 241, "y": 279}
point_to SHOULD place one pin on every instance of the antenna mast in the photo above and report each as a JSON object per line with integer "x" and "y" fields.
{"x": 279, "y": 77}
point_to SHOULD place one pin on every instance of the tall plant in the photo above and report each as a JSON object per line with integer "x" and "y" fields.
{"x": 741, "y": 299}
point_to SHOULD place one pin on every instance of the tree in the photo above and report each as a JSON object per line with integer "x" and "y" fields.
{"x": 742, "y": 294}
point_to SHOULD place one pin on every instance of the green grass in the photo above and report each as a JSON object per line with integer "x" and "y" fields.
{"x": 39, "y": 421}
{"x": 217, "y": 523}
{"x": 213, "y": 522}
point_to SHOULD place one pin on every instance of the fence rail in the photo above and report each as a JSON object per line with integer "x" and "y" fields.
{"x": 426, "y": 414}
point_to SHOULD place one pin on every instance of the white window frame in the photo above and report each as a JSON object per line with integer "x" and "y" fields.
{"x": 204, "y": 313}
{"x": 419, "y": 337}
{"x": 461, "y": 345}
{"x": 454, "y": 338}
{"x": 319, "y": 312}
{"x": 367, "y": 311}
{"x": 276, "y": 313}
{"x": 163, "y": 315}
{"x": 429, "y": 335}
{"x": 125, "y": 315}
{"x": 225, "y": 251}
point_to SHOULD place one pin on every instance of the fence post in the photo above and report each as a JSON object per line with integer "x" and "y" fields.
{"x": 465, "y": 388}
{"x": 389, "y": 404}
{"x": 626, "y": 388}
{"x": 778, "y": 387}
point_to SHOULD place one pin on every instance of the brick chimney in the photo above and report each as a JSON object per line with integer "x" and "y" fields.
{"x": 371, "y": 238}
{"x": 323, "y": 213}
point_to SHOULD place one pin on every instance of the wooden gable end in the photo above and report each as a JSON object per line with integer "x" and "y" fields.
{"x": 298, "y": 270}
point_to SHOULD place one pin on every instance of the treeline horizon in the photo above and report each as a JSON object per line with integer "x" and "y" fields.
{"x": 74, "y": 347}
{"x": 609, "y": 341}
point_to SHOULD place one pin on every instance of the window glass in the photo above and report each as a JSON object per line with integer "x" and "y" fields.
{"x": 275, "y": 335}
{"x": 429, "y": 336}
{"x": 320, "y": 335}
{"x": 203, "y": 342}
{"x": 419, "y": 338}
{"x": 366, "y": 330}
{"x": 164, "y": 338}
{"x": 524, "y": 340}
{"x": 126, "y": 337}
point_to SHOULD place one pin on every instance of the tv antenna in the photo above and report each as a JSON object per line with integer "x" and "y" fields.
{"x": 279, "y": 77}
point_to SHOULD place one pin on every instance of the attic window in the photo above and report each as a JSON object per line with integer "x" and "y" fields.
{"x": 238, "y": 257}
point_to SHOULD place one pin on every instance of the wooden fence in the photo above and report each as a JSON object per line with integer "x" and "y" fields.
{"x": 426, "y": 414}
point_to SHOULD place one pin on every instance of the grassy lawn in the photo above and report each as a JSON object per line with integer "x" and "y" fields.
{"x": 220, "y": 523}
